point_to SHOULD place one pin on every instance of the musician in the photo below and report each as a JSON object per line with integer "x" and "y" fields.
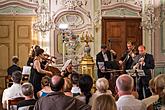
{"x": 32, "y": 54}
{"x": 145, "y": 62}
{"x": 107, "y": 57}
{"x": 37, "y": 71}
{"x": 127, "y": 58}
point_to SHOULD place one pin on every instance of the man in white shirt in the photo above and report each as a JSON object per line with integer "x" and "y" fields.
{"x": 126, "y": 101}
{"x": 13, "y": 91}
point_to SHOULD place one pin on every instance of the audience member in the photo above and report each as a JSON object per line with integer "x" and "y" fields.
{"x": 57, "y": 100}
{"x": 29, "y": 102}
{"x": 75, "y": 82}
{"x": 160, "y": 90}
{"x": 13, "y": 91}
{"x": 102, "y": 86}
{"x": 104, "y": 102}
{"x": 85, "y": 84}
{"x": 14, "y": 66}
{"x": 67, "y": 87}
{"x": 126, "y": 101}
{"x": 149, "y": 101}
{"x": 45, "y": 83}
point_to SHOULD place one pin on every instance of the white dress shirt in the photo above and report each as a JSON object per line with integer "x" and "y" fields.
{"x": 11, "y": 92}
{"x": 128, "y": 102}
{"x": 105, "y": 56}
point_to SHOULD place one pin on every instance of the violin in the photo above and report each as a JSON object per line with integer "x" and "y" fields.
{"x": 48, "y": 58}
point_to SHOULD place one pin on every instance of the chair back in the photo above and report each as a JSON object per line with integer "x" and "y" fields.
{"x": 14, "y": 101}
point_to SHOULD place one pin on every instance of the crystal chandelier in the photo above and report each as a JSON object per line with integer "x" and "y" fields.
{"x": 43, "y": 22}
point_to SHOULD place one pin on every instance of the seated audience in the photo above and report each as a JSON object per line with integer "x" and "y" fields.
{"x": 104, "y": 102}
{"x": 152, "y": 99}
{"x": 13, "y": 68}
{"x": 45, "y": 83}
{"x": 126, "y": 101}
{"x": 67, "y": 68}
{"x": 85, "y": 84}
{"x": 75, "y": 82}
{"x": 29, "y": 102}
{"x": 13, "y": 91}
{"x": 160, "y": 90}
{"x": 57, "y": 100}
{"x": 67, "y": 87}
{"x": 102, "y": 86}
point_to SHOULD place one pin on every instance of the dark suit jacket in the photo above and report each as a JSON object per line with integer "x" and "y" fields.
{"x": 149, "y": 64}
{"x": 127, "y": 61}
{"x": 13, "y": 68}
{"x": 100, "y": 58}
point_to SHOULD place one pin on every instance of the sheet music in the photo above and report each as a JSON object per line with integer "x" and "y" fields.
{"x": 132, "y": 72}
{"x": 26, "y": 70}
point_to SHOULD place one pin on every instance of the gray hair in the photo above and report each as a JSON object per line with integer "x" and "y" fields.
{"x": 102, "y": 85}
{"x": 125, "y": 83}
{"x": 27, "y": 89}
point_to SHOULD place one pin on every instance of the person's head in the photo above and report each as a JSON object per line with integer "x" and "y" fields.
{"x": 152, "y": 86}
{"x": 124, "y": 84}
{"x": 45, "y": 81}
{"x": 104, "y": 102}
{"x": 102, "y": 85}
{"x": 27, "y": 89}
{"x": 75, "y": 78}
{"x": 15, "y": 59}
{"x": 39, "y": 52}
{"x": 142, "y": 49}
{"x": 85, "y": 85}
{"x": 16, "y": 77}
{"x": 103, "y": 48}
{"x": 129, "y": 45}
{"x": 67, "y": 85}
{"x": 57, "y": 83}
{"x": 160, "y": 85}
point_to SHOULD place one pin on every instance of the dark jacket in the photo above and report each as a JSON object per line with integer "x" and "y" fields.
{"x": 13, "y": 68}
{"x": 111, "y": 65}
{"x": 59, "y": 101}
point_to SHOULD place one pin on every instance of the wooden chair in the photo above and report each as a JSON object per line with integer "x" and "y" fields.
{"x": 8, "y": 81}
{"x": 14, "y": 101}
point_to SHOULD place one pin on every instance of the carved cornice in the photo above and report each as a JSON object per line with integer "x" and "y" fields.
{"x": 121, "y": 5}
{"x": 14, "y": 6}
{"x": 7, "y": 3}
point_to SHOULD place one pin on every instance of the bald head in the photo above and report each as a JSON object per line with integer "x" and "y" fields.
{"x": 125, "y": 83}
{"x": 57, "y": 83}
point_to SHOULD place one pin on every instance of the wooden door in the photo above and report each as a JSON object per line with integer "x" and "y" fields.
{"x": 15, "y": 39}
{"x": 6, "y": 46}
{"x": 116, "y": 32}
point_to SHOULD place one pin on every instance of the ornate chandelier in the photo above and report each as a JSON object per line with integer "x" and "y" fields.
{"x": 43, "y": 22}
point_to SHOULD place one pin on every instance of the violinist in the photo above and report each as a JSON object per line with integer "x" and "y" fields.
{"x": 144, "y": 61}
{"x": 37, "y": 71}
{"x": 127, "y": 58}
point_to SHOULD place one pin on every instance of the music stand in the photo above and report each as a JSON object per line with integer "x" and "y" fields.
{"x": 137, "y": 73}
